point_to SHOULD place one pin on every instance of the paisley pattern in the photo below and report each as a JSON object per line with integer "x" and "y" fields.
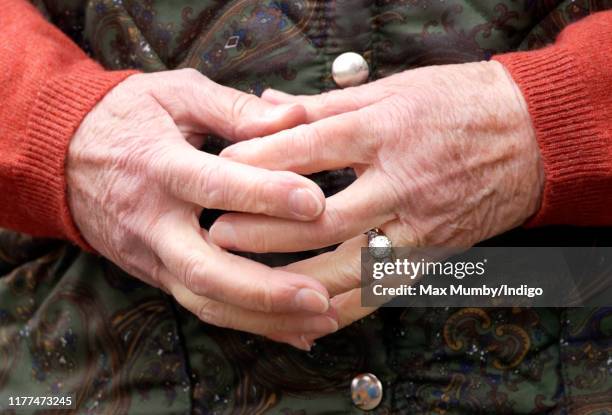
{"x": 72, "y": 323}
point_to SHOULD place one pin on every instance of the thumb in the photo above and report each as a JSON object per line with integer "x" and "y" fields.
{"x": 200, "y": 105}
{"x": 339, "y": 270}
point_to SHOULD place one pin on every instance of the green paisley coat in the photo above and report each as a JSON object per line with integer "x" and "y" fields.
{"x": 73, "y": 323}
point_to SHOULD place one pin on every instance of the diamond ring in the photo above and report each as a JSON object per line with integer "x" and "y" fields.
{"x": 379, "y": 245}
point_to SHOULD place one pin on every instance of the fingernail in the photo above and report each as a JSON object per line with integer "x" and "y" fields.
{"x": 308, "y": 299}
{"x": 223, "y": 234}
{"x": 306, "y": 343}
{"x": 305, "y": 203}
{"x": 321, "y": 324}
{"x": 232, "y": 151}
{"x": 299, "y": 343}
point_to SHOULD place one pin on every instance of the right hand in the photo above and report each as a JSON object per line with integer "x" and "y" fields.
{"x": 136, "y": 186}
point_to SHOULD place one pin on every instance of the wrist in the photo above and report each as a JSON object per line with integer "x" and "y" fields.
{"x": 524, "y": 144}
{"x": 574, "y": 144}
{"x": 61, "y": 104}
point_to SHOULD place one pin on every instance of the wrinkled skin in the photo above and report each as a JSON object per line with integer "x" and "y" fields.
{"x": 446, "y": 156}
{"x": 136, "y": 186}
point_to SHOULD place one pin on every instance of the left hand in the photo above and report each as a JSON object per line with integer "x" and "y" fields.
{"x": 446, "y": 156}
{"x": 136, "y": 185}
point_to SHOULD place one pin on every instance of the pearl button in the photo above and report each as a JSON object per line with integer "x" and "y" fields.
{"x": 350, "y": 69}
{"x": 366, "y": 391}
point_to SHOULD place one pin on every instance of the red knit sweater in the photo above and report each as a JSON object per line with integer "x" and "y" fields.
{"x": 48, "y": 85}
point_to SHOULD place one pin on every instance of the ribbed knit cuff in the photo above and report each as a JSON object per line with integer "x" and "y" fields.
{"x": 56, "y": 114}
{"x": 577, "y": 178}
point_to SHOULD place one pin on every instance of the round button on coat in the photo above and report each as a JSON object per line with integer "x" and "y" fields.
{"x": 366, "y": 391}
{"x": 350, "y": 69}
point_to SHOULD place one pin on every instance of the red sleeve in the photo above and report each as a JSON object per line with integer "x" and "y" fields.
{"x": 568, "y": 89}
{"x": 47, "y": 86}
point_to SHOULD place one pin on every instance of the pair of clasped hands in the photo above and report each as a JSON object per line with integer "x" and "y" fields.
{"x": 444, "y": 155}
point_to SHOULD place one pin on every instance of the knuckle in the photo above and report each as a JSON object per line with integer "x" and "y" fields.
{"x": 343, "y": 272}
{"x": 210, "y": 183}
{"x": 353, "y": 267}
{"x": 152, "y": 232}
{"x": 218, "y": 314}
{"x": 239, "y": 108}
{"x": 397, "y": 115}
{"x": 258, "y": 242}
{"x": 374, "y": 136}
{"x": 207, "y": 312}
{"x": 353, "y": 99}
{"x": 307, "y": 138}
{"x": 281, "y": 323}
{"x": 191, "y": 74}
{"x": 155, "y": 274}
{"x": 326, "y": 99}
{"x": 409, "y": 234}
{"x": 259, "y": 196}
{"x": 204, "y": 178}
{"x": 192, "y": 271}
{"x": 337, "y": 102}
{"x": 259, "y": 296}
{"x": 336, "y": 223}
{"x": 233, "y": 192}
{"x": 337, "y": 271}
{"x": 265, "y": 299}
{"x": 394, "y": 186}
